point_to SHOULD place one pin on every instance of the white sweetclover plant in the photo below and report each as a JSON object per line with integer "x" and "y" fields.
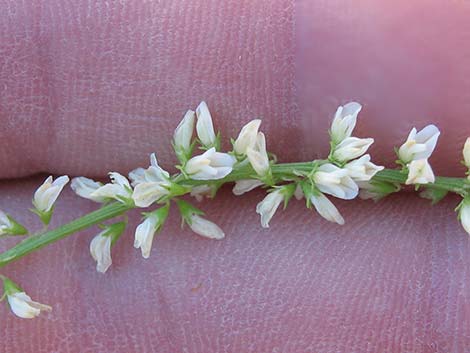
{"x": 346, "y": 173}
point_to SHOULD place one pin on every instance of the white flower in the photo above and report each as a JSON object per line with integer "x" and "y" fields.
{"x": 84, "y": 187}
{"x": 420, "y": 172}
{"x": 466, "y": 153}
{"x": 326, "y": 209}
{"x": 147, "y": 193}
{"x": 344, "y": 121}
{"x": 118, "y": 189}
{"x": 335, "y": 181}
{"x": 351, "y": 148}
{"x": 362, "y": 169}
{"x": 201, "y": 191}
{"x": 268, "y": 206}
{"x": 464, "y": 215}
{"x": 419, "y": 145}
{"x": 46, "y": 195}
{"x": 5, "y": 223}
{"x": 258, "y": 156}
{"x": 144, "y": 236}
{"x": 145, "y": 231}
{"x": 210, "y": 165}
{"x": 22, "y": 305}
{"x": 204, "y": 126}
{"x": 244, "y": 185}
{"x": 100, "y": 250}
{"x": 151, "y": 184}
{"x": 183, "y": 134}
{"x": 205, "y": 228}
{"x": 247, "y": 137}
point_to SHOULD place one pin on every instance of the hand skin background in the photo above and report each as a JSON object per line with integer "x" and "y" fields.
{"x": 88, "y": 87}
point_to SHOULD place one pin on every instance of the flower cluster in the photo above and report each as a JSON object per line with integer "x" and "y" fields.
{"x": 347, "y": 168}
{"x": 203, "y": 167}
{"x": 154, "y": 185}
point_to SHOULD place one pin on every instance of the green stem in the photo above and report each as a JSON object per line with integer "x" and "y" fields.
{"x": 36, "y": 242}
{"x": 279, "y": 171}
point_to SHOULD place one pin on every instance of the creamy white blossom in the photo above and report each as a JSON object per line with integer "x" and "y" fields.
{"x": 184, "y": 133}
{"x": 247, "y": 137}
{"x": 466, "y": 153}
{"x": 335, "y": 181}
{"x": 145, "y": 231}
{"x": 344, "y": 121}
{"x": 268, "y": 206}
{"x": 144, "y": 235}
{"x": 464, "y": 215}
{"x": 210, "y": 165}
{"x": 258, "y": 156}
{"x": 84, "y": 187}
{"x": 100, "y": 250}
{"x": 201, "y": 191}
{"x": 245, "y": 185}
{"x": 204, "y": 126}
{"x": 420, "y": 172}
{"x": 419, "y": 145}
{"x": 24, "y": 307}
{"x": 362, "y": 169}
{"x": 326, "y": 209}
{"x": 205, "y": 227}
{"x": 151, "y": 184}
{"x": 147, "y": 193}
{"x": 118, "y": 189}
{"x": 47, "y": 194}
{"x": 351, "y": 148}
{"x": 5, "y": 223}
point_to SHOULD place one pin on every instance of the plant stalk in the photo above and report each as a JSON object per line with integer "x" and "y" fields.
{"x": 279, "y": 171}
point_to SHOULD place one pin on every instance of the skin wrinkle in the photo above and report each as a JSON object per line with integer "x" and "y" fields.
{"x": 110, "y": 87}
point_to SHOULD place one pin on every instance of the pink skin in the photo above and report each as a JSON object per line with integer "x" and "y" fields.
{"x": 91, "y": 87}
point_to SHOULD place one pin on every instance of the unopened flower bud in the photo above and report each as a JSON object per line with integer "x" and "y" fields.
{"x": 183, "y": 135}
{"x": 204, "y": 126}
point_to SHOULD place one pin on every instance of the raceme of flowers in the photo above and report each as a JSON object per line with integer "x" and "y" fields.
{"x": 346, "y": 173}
